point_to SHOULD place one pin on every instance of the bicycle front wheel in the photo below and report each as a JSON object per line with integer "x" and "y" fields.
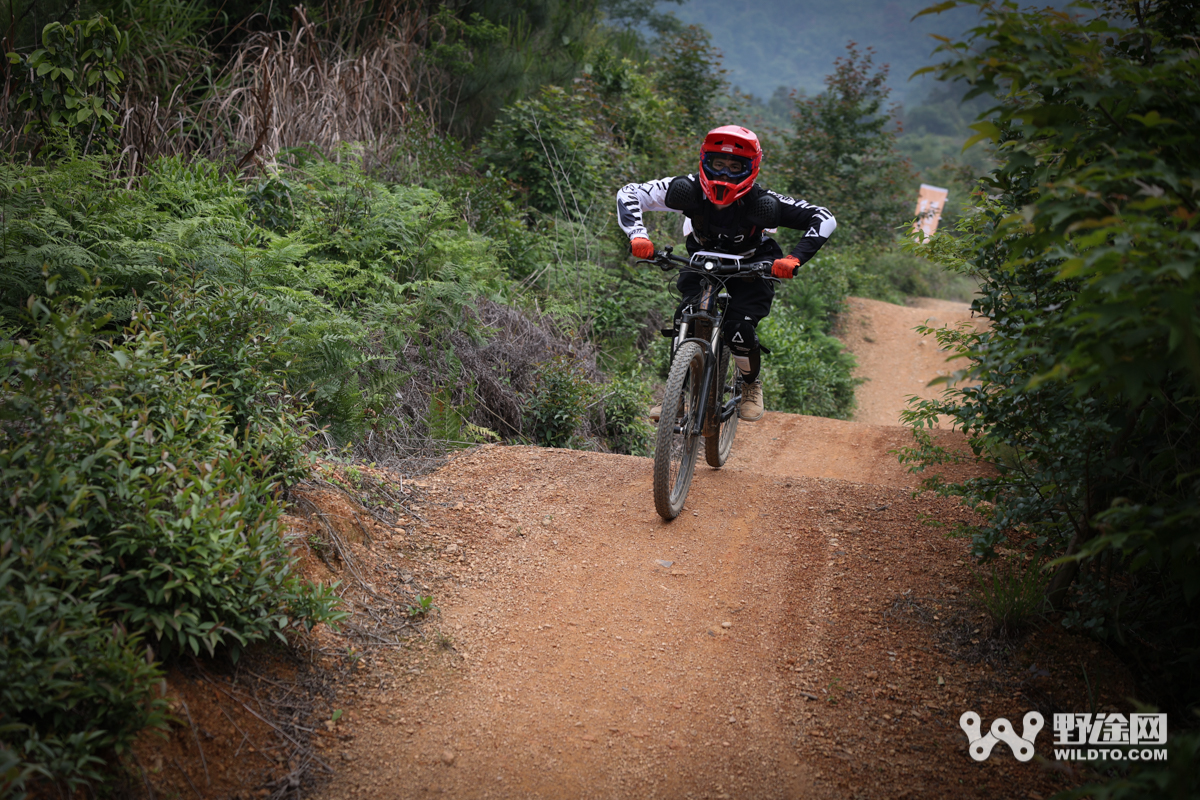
{"x": 716, "y": 448}
{"x": 675, "y": 445}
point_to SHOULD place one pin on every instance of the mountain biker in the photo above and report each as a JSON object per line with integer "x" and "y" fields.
{"x": 727, "y": 212}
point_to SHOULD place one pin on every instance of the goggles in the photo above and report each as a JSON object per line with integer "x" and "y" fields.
{"x": 726, "y": 165}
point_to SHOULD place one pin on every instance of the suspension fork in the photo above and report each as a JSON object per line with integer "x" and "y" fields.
{"x": 706, "y": 423}
{"x": 699, "y": 424}
{"x": 711, "y": 414}
{"x": 708, "y": 416}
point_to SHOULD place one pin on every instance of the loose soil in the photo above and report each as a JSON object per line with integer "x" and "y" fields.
{"x": 803, "y": 629}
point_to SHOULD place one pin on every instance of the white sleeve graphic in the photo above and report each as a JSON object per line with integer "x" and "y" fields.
{"x": 634, "y": 198}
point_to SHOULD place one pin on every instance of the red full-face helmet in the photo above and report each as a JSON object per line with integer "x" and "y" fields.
{"x": 729, "y": 161}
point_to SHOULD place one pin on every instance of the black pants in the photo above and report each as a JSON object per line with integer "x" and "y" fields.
{"x": 749, "y": 302}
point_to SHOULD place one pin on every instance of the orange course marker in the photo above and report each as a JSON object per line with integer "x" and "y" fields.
{"x": 930, "y": 202}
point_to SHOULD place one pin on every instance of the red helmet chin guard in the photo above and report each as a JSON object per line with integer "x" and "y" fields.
{"x": 730, "y": 140}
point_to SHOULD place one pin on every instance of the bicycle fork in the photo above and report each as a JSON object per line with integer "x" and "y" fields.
{"x": 703, "y": 423}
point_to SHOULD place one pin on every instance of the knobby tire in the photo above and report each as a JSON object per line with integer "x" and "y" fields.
{"x": 675, "y": 448}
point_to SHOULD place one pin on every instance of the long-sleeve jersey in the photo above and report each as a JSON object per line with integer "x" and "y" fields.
{"x": 737, "y": 229}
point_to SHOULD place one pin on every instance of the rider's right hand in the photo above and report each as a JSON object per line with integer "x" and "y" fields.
{"x": 641, "y": 247}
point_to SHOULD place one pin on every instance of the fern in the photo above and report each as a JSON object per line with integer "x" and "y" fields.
{"x": 361, "y": 271}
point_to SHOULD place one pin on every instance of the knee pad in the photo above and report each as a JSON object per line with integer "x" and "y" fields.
{"x": 741, "y": 338}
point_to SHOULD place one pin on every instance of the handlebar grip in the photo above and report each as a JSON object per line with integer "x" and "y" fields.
{"x": 759, "y": 267}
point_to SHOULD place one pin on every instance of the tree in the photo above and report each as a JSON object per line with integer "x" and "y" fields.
{"x": 843, "y": 154}
{"x": 690, "y": 72}
{"x": 70, "y": 84}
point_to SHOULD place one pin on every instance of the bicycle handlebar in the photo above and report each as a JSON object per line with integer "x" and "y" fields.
{"x": 666, "y": 261}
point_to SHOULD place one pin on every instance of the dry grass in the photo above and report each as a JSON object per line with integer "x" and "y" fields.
{"x": 498, "y": 371}
{"x": 281, "y": 90}
{"x": 286, "y": 90}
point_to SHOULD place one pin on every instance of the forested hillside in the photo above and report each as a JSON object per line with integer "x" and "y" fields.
{"x": 777, "y": 43}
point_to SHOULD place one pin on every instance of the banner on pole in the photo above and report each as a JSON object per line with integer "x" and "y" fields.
{"x": 930, "y": 202}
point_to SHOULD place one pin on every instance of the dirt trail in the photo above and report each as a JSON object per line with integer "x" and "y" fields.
{"x": 780, "y": 639}
{"x": 896, "y": 361}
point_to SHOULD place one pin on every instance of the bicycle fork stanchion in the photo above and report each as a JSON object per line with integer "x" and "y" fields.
{"x": 703, "y": 423}
{"x": 708, "y": 304}
{"x": 714, "y": 388}
{"x": 706, "y": 385}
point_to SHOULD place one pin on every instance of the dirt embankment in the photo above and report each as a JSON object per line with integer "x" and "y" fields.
{"x": 803, "y": 629}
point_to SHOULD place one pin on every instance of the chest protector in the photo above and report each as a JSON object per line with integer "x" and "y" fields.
{"x": 735, "y": 229}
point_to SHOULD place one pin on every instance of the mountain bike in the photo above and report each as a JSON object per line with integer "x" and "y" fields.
{"x": 703, "y": 384}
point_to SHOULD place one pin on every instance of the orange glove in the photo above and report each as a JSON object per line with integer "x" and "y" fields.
{"x": 640, "y": 247}
{"x": 785, "y": 267}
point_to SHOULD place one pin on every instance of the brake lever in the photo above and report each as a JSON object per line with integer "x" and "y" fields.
{"x": 764, "y": 271}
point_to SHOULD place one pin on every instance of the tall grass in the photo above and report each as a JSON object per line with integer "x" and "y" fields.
{"x": 1013, "y": 592}
{"x": 286, "y": 89}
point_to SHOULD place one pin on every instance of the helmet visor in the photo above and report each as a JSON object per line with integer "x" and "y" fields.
{"x": 726, "y": 166}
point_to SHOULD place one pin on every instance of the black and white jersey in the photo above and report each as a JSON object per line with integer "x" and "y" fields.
{"x": 738, "y": 229}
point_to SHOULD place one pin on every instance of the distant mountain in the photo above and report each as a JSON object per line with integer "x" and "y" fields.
{"x": 793, "y": 43}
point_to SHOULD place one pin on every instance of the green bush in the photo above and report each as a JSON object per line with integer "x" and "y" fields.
{"x": 895, "y": 274}
{"x": 556, "y": 149}
{"x": 1177, "y": 778}
{"x": 556, "y": 406}
{"x": 137, "y": 512}
{"x": 643, "y": 118}
{"x": 448, "y": 422}
{"x": 445, "y": 420}
{"x": 807, "y": 372}
{"x": 819, "y": 291}
{"x": 1084, "y": 389}
{"x": 75, "y": 219}
{"x": 270, "y": 202}
{"x": 71, "y": 83}
{"x": 74, "y": 683}
{"x": 244, "y": 349}
{"x": 626, "y": 403}
{"x": 360, "y": 265}
{"x": 891, "y": 273}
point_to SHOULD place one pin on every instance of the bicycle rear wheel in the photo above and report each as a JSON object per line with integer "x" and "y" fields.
{"x": 716, "y": 448}
{"x": 675, "y": 445}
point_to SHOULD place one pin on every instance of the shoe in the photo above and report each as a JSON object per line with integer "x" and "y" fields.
{"x": 655, "y": 413}
{"x": 751, "y": 407}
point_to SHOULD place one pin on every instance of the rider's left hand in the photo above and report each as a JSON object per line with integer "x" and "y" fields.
{"x": 785, "y": 267}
